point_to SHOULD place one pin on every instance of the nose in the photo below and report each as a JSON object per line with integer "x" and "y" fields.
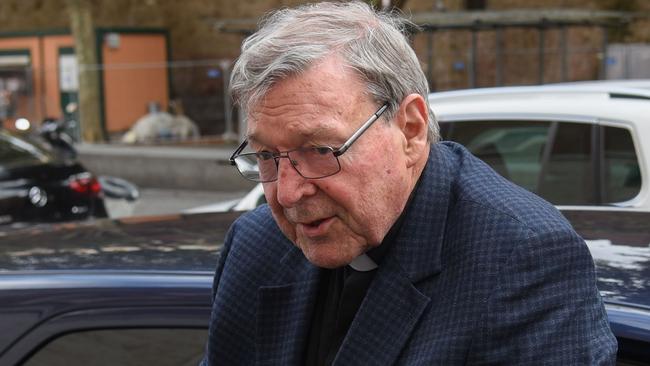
{"x": 291, "y": 186}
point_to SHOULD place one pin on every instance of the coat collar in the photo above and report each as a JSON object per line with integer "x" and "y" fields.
{"x": 417, "y": 248}
{"x": 393, "y": 304}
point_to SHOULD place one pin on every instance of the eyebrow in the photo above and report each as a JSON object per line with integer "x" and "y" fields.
{"x": 314, "y": 135}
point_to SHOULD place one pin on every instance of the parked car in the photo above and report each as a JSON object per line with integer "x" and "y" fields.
{"x": 578, "y": 145}
{"x": 129, "y": 292}
{"x": 137, "y": 291}
{"x": 38, "y": 186}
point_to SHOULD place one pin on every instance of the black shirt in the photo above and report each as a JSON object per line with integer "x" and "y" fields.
{"x": 340, "y": 294}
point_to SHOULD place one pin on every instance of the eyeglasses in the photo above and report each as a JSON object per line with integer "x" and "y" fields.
{"x": 310, "y": 162}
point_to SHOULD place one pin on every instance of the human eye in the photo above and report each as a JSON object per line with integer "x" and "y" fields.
{"x": 313, "y": 150}
{"x": 322, "y": 150}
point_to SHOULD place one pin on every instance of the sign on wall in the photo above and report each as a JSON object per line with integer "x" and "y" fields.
{"x": 68, "y": 73}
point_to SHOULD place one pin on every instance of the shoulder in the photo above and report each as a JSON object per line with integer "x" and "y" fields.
{"x": 256, "y": 226}
{"x": 254, "y": 246}
{"x": 497, "y": 220}
{"x": 479, "y": 191}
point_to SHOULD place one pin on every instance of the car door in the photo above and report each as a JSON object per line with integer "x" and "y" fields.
{"x": 149, "y": 335}
{"x": 103, "y": 317}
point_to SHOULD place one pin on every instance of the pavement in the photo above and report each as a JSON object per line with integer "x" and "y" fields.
{"x": 194, "y": 168}
{"x": 157, "y": 201}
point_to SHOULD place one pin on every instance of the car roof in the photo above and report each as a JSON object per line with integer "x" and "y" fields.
{"x": 582, "y": 103}
{"x": 637, "y": 87}
{"x": 156, "y": 243}
{"x": 625, "y": 83}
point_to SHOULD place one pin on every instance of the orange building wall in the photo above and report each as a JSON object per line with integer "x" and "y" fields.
{"x": 51, "y": 45}
{"x": 30, "y": 107}
{"x": 135, "y": 73}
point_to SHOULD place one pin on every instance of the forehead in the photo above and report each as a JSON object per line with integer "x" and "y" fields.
{"x": 315, "y": 103}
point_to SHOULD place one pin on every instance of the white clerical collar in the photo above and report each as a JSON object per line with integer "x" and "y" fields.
{"x": 363, "y": 263}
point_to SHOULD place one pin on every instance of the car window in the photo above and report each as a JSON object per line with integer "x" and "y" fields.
{"x": 513, "y": 149}
{"x": 124, "y": 347}
{"x": 15, "y": 151}
{"x": 622, "y": 176}
{"x": 566, "y": 163}
{"x": 568, "y": 176}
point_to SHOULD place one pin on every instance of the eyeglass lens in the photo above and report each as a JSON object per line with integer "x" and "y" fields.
{"x": 311, "y": 162}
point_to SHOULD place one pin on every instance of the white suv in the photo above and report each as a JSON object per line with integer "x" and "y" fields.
{"x": 578, "y": 145}
{"x": 575, "y": 144}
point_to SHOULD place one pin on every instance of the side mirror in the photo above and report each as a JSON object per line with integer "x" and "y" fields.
{"x": 118, "y": 188}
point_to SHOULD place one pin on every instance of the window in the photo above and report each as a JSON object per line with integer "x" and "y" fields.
{"x": 513, "y": 149}
{"x": 16, "y": 152}
{"x": 124, "y": 347}
{"x": 566, "y": 163}
{"x": 568, "y": 174}
{"x": 622, "y": 176}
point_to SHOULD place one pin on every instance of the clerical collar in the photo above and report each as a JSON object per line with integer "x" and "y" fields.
{"x": 363, "y": 263}
{"x": 369, "y": 261}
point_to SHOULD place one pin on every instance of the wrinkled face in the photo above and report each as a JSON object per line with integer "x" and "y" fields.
{"x": 337, "y": 218}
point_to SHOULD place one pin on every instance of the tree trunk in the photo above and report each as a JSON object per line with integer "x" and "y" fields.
{"x": 83, "y": 31}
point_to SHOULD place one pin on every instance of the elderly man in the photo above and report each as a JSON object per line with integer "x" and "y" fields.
{"x": 380, "y": 245}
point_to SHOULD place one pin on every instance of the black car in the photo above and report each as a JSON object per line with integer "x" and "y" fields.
{"x": 137, "y": 291}
{"x": 129, "y": 292}
{"x": 37, "y": 185}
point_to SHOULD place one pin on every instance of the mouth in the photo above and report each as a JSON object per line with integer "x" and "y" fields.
{"x": 317, "y": 227}
{"x": 315, "y": 223}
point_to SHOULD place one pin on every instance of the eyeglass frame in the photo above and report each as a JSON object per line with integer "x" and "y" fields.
{"x": 336, "y": 152}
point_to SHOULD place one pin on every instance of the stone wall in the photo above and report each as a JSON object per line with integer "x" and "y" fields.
{"x": 196, "y": 46}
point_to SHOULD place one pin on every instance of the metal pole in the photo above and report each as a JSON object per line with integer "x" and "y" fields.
{"x": 472, "y": 71}
{"x": 603, "y": 62}
{"x": 563, "y": 50}
{"x": 626, "y": 62}
{"x": 241, "y": 120}
{"x": 499, "y": 56}
{"x": 229, "y": 133}
{"x": 430, "y": 71}
{"x": 542, "y": 39}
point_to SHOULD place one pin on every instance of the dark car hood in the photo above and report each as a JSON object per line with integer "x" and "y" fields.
{"x": 623, "y": 271}
{"x": 173, "y": 242}
{"x": 619, "y": 242}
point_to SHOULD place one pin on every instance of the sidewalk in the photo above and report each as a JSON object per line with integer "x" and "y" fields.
{"x": 168, "y": 167}
{"x": 156, "y": 201}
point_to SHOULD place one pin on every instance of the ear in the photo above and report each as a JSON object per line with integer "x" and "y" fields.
{"x": 412, "y": 119}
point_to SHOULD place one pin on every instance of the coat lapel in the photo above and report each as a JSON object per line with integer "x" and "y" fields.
{"x": 384, "y": 322}
{"x": 393, "y": 304}
{"x": 284, "y": 312}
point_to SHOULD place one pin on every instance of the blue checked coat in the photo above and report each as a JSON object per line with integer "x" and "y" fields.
{"x": 482, "y": 273}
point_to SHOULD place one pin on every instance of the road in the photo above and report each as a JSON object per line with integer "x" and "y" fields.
{"x": 166, "y": 201}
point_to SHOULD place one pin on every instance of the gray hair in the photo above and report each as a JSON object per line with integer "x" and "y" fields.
{"x": 373, "y": 44}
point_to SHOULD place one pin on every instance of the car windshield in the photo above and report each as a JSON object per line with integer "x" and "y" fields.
{"x": 17, "y": 152}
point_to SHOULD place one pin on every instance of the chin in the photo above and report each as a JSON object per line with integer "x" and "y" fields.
{"x": 327, "y": 255}
{"x": 328, "y": 263}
